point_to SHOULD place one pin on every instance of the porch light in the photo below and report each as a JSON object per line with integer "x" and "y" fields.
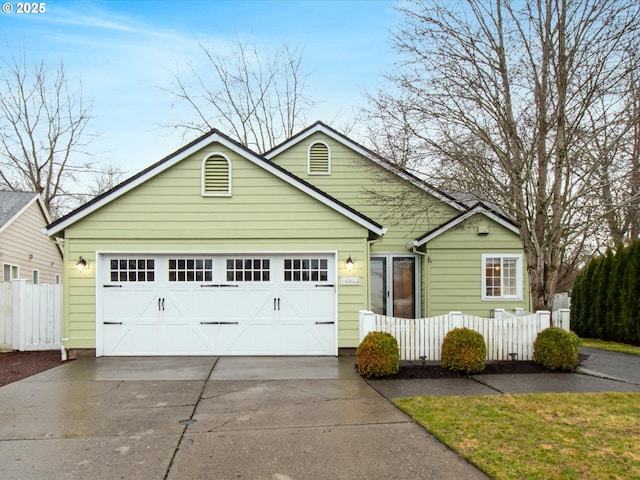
{"x": 349, "y": 263}
{"x": 82, "y": 264}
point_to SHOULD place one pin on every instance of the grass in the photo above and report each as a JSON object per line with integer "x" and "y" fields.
{"x": 611, "y": 346}
{"x": 538, "y": 436}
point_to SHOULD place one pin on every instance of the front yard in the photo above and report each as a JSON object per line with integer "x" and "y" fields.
{"x": 539, "y": 436}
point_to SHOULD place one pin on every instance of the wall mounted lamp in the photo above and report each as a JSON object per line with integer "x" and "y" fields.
{"x": 349, "y": 263}
{"x": 82, "y": 264}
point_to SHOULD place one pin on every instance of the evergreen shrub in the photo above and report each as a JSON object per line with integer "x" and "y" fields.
{"x": 463, "y": 350}
{"x": 556, "y": 349}
{"x": 605, "y": 299}
{"x": 378, "y": 355}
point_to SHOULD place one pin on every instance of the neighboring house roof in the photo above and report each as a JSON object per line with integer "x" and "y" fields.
{"x": 374, "y": 157}
{"x": 478, "y": 208}
{"x": 12, "y": 204}
{"x": 191, "y": 148}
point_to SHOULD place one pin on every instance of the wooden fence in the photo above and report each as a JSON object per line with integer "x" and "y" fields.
{"x": 508, "y": 336}
{"x": 30, "y": 316}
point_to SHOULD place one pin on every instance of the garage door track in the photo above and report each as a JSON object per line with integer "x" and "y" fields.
{"x": 212, "y": 418}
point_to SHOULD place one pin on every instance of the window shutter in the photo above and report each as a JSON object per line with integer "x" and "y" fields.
{"x": 216, "y": 176}
{"x": 319, "y": 159}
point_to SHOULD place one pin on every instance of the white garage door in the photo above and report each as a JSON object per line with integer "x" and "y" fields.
{"x": 217, "y": 305}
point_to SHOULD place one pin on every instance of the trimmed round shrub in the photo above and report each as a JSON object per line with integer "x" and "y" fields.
{"x": 378, "y": 355}
{"x": 556, "y": 349}
{"x": 463, "y": 350}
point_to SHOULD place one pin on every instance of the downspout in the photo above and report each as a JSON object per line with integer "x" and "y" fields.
{"x": 59, "y": 242}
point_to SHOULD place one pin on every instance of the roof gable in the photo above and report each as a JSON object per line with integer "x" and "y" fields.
{"x": 368, "y": 154}
{"x": 13, "y": 204}
{"x": 478, "y": 208}
{"x": 193, "y": 147}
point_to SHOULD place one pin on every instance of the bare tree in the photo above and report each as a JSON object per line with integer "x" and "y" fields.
{"x": 42, "y": 131}
{"x": 257, "y": 98}
{"x": 620, "y": 177}
{"x": 513, "y": 100}
{"x": 102, "y": 180}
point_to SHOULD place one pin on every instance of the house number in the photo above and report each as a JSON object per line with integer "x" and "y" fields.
{"x": 350, "y": 281}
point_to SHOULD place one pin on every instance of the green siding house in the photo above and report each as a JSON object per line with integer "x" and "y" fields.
{"x": 216, "y": 250}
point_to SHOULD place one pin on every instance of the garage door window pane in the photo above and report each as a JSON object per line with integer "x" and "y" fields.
{"x": 190, "y": 270}
{"x": 248, "y": 270}
{"x": 131, "y": 270}
{"x": 306, "y": 270}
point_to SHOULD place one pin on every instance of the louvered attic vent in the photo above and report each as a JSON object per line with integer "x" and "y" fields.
{"x": 319, "y": 161}
{"x": 216, "y": 176}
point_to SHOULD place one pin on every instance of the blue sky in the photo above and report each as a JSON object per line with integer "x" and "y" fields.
{"x": 123, "y": 50}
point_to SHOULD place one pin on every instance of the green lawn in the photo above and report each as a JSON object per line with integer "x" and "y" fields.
{"x": 612, "y": 346}
{"x": 538, "y": 436}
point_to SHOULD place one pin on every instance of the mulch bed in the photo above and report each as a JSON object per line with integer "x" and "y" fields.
{"x": 436, "y": 371}
{"x": 18, "y": 365}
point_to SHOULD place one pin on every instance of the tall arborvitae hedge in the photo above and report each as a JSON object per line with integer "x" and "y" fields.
{"x": 605, "y": 300}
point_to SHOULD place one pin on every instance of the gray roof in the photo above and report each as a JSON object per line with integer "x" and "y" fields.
{"x": 11, "y": 203}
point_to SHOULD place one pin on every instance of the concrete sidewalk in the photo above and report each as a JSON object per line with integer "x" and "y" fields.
{"x": 602, "y": 371}
{"x": 210, "y": 418}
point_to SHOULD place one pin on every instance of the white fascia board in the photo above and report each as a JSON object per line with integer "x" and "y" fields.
{"x": 162, "y": 166}
{"x": 457, "y": 221}
{"x": 367, "y": 154}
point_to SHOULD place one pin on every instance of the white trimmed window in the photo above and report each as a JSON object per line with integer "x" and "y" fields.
{"x": 319, "y": 161}
{"x": 216, "y": 176}
{"x": 35, "y": 277}
{"x": 501, "y": 276}
{"x": 10, "y": 272}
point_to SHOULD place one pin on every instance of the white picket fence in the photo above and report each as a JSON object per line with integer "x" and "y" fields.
{"x": 507, "y": 336}
{"x": 30, "y": 316}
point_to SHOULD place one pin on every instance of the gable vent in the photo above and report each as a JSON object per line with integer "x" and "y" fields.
{"x": 319, "y": 163}
{"x": 216, "y": 176}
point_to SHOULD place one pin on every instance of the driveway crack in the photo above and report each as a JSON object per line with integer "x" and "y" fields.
{"x": 189, "y": 421}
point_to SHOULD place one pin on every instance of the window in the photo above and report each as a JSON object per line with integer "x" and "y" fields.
{"x": 501, "y": 276}
{"x": 216, "y": 176}
{"x": 132, "y": 270}
{"x": 248, "y": 270}
{"x": 306, "y": 270}
{"x": 10, "y": 272}
{"x": 35, "y": 277}
{"x": 190, "y": 270}
{"x": 58, "y": 279}
{"x": 319, "y": 162}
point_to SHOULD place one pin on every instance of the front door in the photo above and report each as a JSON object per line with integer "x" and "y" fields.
{"x": 394, "y": 285}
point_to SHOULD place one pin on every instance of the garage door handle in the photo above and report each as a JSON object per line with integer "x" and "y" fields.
{"x": 112, "y": 286}
{"x": 218, "y": 285}
{"x": 218, "y": 323}
{"x": 318, "y": 286}
{"x": 325, "y": 323}
{"x": 112, "y": 323}
{"x": 161, "y": 303}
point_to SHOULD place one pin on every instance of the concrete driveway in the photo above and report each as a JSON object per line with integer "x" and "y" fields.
{"x": 209, "y": 418}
